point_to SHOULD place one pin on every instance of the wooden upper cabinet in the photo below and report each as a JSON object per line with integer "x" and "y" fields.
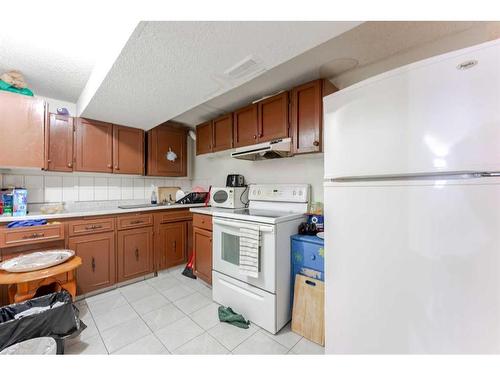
{"x": 273, "y": 118}
{"x": 128, "y": 150}
{"x": 307, "y": 115}
{"x": 93, "y": 146}
{"x": 222, "y": 130}
{"x": 204, "y": 138}
{"x": 161, "y": 140}
{"x": 22, "y": 122}
{"x": 59, "y": 143}
{"x": 245, "y": 126}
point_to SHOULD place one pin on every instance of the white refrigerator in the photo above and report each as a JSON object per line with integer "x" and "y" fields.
{"x": 412, "y": 208}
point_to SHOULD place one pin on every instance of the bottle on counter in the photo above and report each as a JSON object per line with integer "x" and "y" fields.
{"x": 154, "y": 198}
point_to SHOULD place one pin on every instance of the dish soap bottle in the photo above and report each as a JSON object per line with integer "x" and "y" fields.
{"x": 154, "y": 199}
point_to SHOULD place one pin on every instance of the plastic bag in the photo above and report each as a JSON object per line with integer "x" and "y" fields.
{"x": 58, "y": 318}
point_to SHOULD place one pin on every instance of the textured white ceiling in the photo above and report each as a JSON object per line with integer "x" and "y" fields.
{"x": 55, "y": 54}
{"x": 377, "y": 46}
{"x": 167, "y": 68}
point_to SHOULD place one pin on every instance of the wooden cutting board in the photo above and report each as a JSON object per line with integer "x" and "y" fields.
{"x": 167, "y": 194}
{"x": 308, "y": 315}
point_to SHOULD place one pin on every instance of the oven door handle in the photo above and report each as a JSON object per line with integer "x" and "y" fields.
{"x": 241, "y": 225}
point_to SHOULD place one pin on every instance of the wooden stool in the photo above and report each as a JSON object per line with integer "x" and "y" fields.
{"x": 23, "y": 285}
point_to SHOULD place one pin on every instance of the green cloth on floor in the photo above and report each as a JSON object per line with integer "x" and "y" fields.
{"x": 226, "y": 314}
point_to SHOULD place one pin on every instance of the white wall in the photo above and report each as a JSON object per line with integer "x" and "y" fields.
{"x": 212, "y": 169}
{"x": 56, "y": 103}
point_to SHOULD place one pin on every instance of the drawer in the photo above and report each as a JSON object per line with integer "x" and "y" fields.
{"x": 253, "y": 303}
{"x": 202, "y": 221}
{"x": 31, "y": 235}
{"x": 308, "y": 255}
{"x": 134, "y": 221}
{"x": 87, "y": 226}
{"x": 173, "y": 215}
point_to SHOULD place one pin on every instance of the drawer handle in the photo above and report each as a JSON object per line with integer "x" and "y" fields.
{"x": 93, "y": 264}
{"x": 316, "y": 143}
{"x": 137, "y": 222}
{"x": 313, "y": 257}
{"x": 93, "y": 226}
{"x": 309, "y": 282}
{"x": 34, "y": 235}
{"x": 136, "y": 253}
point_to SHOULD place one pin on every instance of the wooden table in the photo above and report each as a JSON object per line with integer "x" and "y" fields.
{"x": 23, "y": 285}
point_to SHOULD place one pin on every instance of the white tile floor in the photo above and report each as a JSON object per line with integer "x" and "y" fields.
{"x": 172, "y": 314}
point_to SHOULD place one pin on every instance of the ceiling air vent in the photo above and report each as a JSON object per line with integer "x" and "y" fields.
{"x": 246, "y": 67}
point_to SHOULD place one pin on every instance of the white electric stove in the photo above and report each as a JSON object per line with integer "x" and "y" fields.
{"x": 277, "y": 210}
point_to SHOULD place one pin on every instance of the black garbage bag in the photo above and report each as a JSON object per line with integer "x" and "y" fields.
{"x": 52, "y": 315}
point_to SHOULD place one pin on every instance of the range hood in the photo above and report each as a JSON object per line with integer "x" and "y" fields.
{"x": 280, "y": 148}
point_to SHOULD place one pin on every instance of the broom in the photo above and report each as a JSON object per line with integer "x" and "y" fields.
{"x": 188, "y": 271}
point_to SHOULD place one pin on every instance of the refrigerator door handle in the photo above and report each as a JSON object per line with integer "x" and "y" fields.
{"x": 459, "y": 175}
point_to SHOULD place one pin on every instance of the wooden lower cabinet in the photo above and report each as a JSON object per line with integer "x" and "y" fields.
{"x": 98, "y": 261}
{"x": 202, "y": 240}
{"x": 135, "y": 253}
{"x": 171, "y": 244}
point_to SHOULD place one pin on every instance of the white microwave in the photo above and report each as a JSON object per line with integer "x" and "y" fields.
{"x": 229, "y": 197}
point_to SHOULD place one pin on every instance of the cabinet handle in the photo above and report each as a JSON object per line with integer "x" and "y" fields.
{"x": 316, "y": 143}
{"x": 110, "y": 166}
{"x": 116, "y": 167}
{"x": 174, "y": 246}
{"x": 70, "y": 165}
{"x": 136, "y": 253}
{"x": 136, "y": 222}
{"x": 93, "y": 226}
{"x": 260, "y": 135}
{"x": 49, "y": 161}
{"x": 32, "y": 236}
{"x": 93, "y": 264}
{"x": 255, "y": 137}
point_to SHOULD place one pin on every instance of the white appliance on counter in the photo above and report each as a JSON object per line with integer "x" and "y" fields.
{"x": 412, "y": 208}
{"x": 229, "y": 197}
{"x": 277, "y": 210}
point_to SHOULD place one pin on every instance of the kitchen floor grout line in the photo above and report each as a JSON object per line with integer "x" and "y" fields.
{"x": 97, "y": 328}
{"x": 161, "y": 342}
{"x": 232, "y": 351}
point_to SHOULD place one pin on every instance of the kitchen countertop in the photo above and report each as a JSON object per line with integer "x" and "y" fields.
{"x": 94, "y": 212}
{"x": 209, "y": 210}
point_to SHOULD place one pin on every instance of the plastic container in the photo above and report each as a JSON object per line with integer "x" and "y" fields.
{"x": 19, "y": 202}
{"x": 7, "y": 202}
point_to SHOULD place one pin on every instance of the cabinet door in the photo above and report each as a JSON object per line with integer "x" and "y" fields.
{"x": 245, "y": 127}
{"x": 189, "y": 239}
{"x": 98, "y": 261}
{"x": 161, "y": 140}
{"x": 202, "y": 240}
{"x": 204, "y": 138}
{"x": 93, "y": 146}
{"x": 60, "y": 143}
{"x": 172, "y": 244}
{"x": 128, "y": 150}
{"x": 135, "y": 253}
{"x": 222, "y": 133}
{"x": 273, "y": 118}
{"x": 307, "y": 116}
{"x": 22, "y": 122}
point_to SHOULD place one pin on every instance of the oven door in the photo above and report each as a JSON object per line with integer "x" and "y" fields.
{"x": 226, "y": 252}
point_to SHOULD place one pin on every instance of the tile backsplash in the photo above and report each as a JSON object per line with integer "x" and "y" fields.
{"x": 49, "y": 187}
